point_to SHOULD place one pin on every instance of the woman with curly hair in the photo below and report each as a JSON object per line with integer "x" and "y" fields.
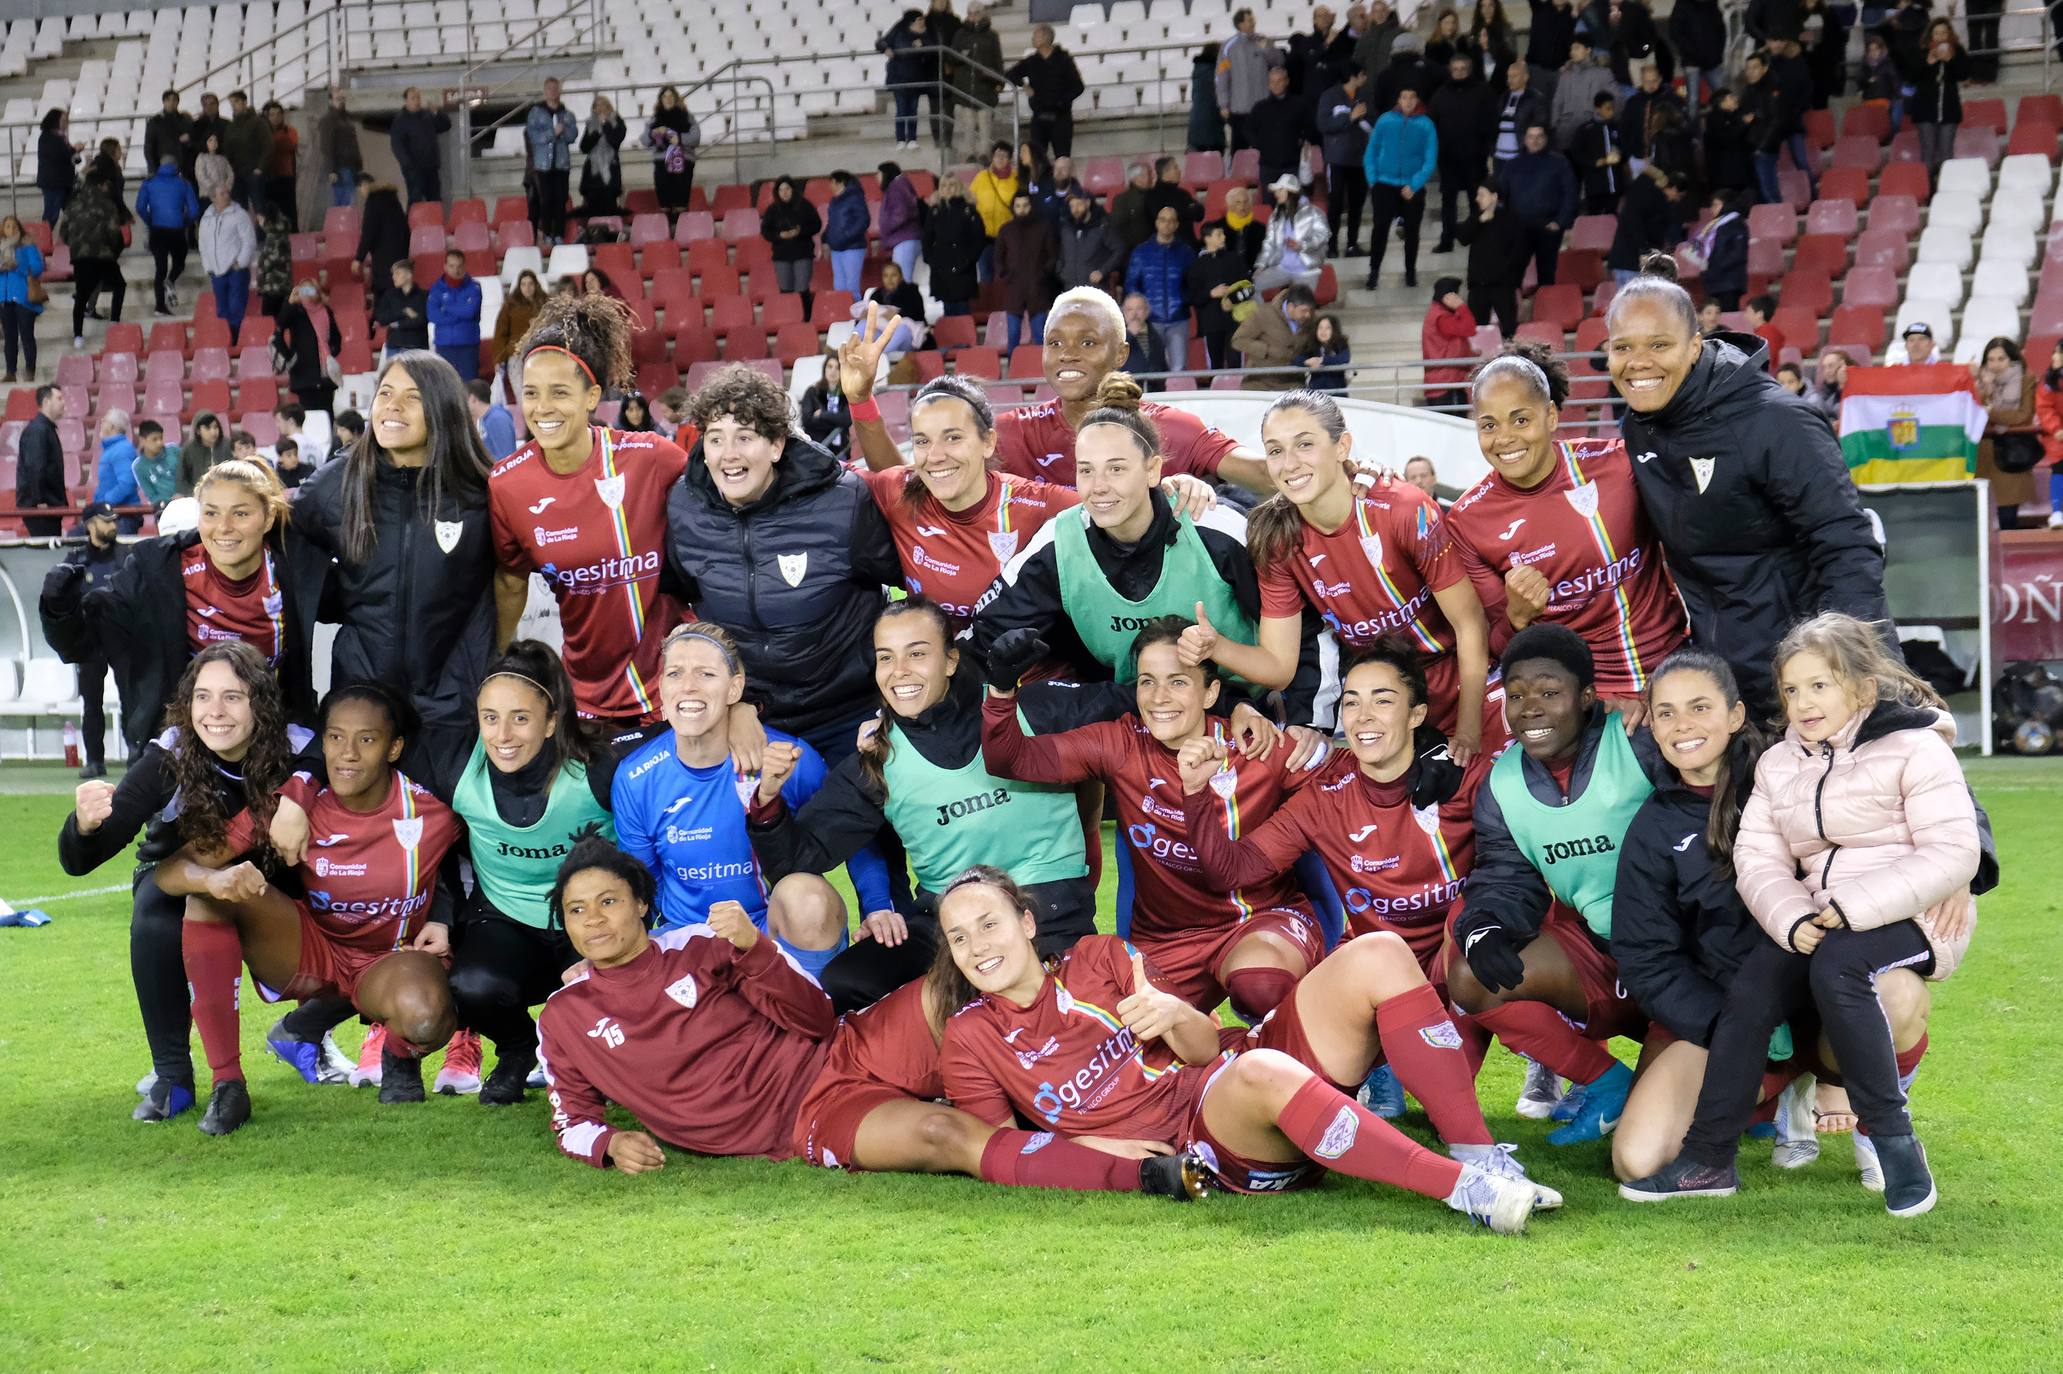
{"x": 226, "y": 748}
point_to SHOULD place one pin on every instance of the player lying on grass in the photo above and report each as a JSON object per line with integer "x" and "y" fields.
{"x": 1091, "y": 1045}
{"x": 719, "y": 1042}
{"x": 373, "y": 925}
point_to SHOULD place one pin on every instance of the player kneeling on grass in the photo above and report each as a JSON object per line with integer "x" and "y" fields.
{"x": 1089, "y": 1044}
{"x": 374, "y": 923}
{"x": 722, "y": 1045}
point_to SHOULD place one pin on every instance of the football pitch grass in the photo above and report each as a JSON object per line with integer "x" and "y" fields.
{"x": 333, "y": 1234}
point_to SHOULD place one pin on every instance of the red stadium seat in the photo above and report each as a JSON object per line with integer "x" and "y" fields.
{"x": 158, "y": 369}
{"x": 1858, "y": 324}
{"x": 953, "y": 331}
{"x": 511, "y": 210}
{"x": 340, "y": 222}
{"x": 1796, "y": 188}
{"x": 167, "y": 336}
{"x": 1765, "y": 258}
{"x": 792, "y": 341}
{"x": 1601, "y": 298}
{"x": 471, "y": 210}
{"x": 2039, "y": 109}
{"x": 1836, "y": 217}
{"x": 1800, "y": 327}
{"x": 426, "y": 212}
{"x": 1871, "y": 286}
{"x": 210, "y": 396}
{"x": 1804, "y": 289}
{"x": 1201, "y": 169}
{"x": 731, "y": 312}
{"x": 649, "y": 229}
{"x": 1328, "y": 289}
{"x": 693, "y": 225}
{"x": 1245, "y": 166}
{"x": 985, "y": 363}
{"x": 705, "y": 253}
{"x": 1819, "y": 128}
{"x": 1772, "y": 223}
{"x": 746, "y": 345}
{"x": 261, "y": 394}
{"x": 115, "y": 396}
{"x": 1823, "y": 254}
{"x": 21, "y": 403}
{"x": 1884, "y": 248}
{"x": 123, "y": 338}
{"x": 518, "y": 234}
{"x": 928, "y": 365}
{"x": 1581, "y": 268}
{"x": 2029, "y": 137}
{"x": 471, "y": 236}
{"x": 752, "y": 254}
{"x": 647, "y": 343}
{"x": 719, "y": 281}
{"x": 643, "y": 201}
{"x": 1859, "y": 152}
{"x": 655, "y": 378}
{"x": 656, "y": 257}
{"x": 1897, "y": 212}
{"x": 616, "y": 261}
{"x": 1985, "y": 114}
{"x": 1538, "y": 332}
{"x": 1984, "y": 143}
{"x": 256, "y": 330}
{"x": 1591, "y": 334}
{"x": 782, "y": 309}
{"x": 830, "y": 307}
{"x": 1027, "y": 362}
{"x": 1905, "y": 145}
{"x": 118, "y": 367}
{"x": 763, "y": 283}
{"x": 693, "y": 344}
{"x": 1867, "y": 121}
{"x": 1593, "y": 233}
{"x": 210, "y": 365}
{"x": 428, "y": 267}
{"x": 1851, "y": 184}
{"x": 76, "y": 369}
{"x": 1104, "y": 175}
{"x": 1560, "y": 306}
{"x": 729, "y": 198}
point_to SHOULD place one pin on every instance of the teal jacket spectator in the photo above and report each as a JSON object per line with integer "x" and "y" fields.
{"x": 455, "y": 312}
{"x": 166, "y": 200}
{"x": 157, "y": 479}
{"x": 1402, "y": 151}
{"x": 14, "y": 282}
{"x": 116, "y": 484}
{"x": 1155, "y": 272}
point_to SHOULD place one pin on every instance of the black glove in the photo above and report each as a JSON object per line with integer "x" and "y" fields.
{"x": 1493, "y": 956}
{"x": 1013, "y": 654}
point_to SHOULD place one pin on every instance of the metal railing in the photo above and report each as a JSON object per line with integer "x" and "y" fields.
{"x": 442, "y": 43}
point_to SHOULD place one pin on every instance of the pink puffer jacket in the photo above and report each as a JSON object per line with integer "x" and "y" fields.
{"x": 1876, "y": 822}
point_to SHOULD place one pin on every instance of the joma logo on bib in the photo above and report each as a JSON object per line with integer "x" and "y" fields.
{"x": 1122, "y": 623}
{"x": 967, "y": 806}
{"x": 1555, "y": 850}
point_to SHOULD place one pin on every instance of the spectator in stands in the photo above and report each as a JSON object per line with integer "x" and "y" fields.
{"x": 1496, "y": 259}
{"x": 1206, "y": 122}
{"x": 170, "y": 130}
{"x": 634, "y": 415}
{"x": 993, "y": 188}
{"x": 1490, "y": 36}
{"x": 1446, "y": 40}
{"x": 1720, "y": 250}
{"x": 1326, "y": 354}
{"x": 790, "y": 225}
{"x": 1034, "y": 172}
{"x": 1729, "y": 146}
{"x": 1648, "y": 223}
{"x": 275, "y": 277}
{"x": 21, "y": 280}
{"x": 39, "y": 466}
{"x": 247, "y": 143}
{"x": 846, "y": 223}
{"x": 306, "y": 342}
{"x": 1779, "y": 91}
{"x": 1760, "y": 311}
{"x": 99, "y": 558}
{"x": 1919, "y": 343}
{"x": 1767, "y": 21}
{"x": 348, "y": 428}
{"x": 973, "y": 72}
{"x": 208, "y": 448}
{"x": 287, "y": 463}
{"x": 907, "y": 71}
{"x": 1791, "y": 378}
{"x": 954, "y": 241}
{"x": 1824, "y": 40}
{"x": 1241, "y": 80}
{"x": 1697, "y": 33}
{"x": 1402, "y": 152}
{"x": 899, "y": 303}
{"x": 454, "y": 309}
{"x": 1937, "y": 99}
{"x": 1420, "y": 472}
{"x": 497, "y": 427}
{"x": 403, "y": 310}
{"x": 1208, "y": 283}
{"x": 1145, "y": 354}
{"x": 1542, "y": 193}
{"x": 1050, "y": 196}
{"x": 208, "y": 122}
{"x": 243, "y": 447}
{"x": 1637, "y": 118}
{"x": 57, "y": 164}
{"x": 1244, "y": 231}
{"x": 169, "y": 210}
{"x": 941, "y": 27}
{"x": 227, "y": 254}
{"x": 280, "y": 168}
{"x": 1372, "y": 48}
{"x": 1090, "y": 253}
{"x": 211, "y": 169}
{"x": 826, "y": 418}
{"x": 1877, "y": 79}
{"x": 550, "y": 131}
{"x": 1448, "y": 331}
{"x": 1343, "y": 125}
{"x": 157, "y": 465}
{"x": 382, "y": 233}
{"x": 1156, "y": 272}
{"x": 414, "y": 138}
{"x": 342, "y": 159}
{"x": 1550, "y": 38}
{"x": 1279, "y": 125}
{"x": 902, "y": 217}
{"x": 1168, "y": 193}
{"x": 670, "y": 411}
{"x": 1293, "y": 250}
{"x": 2048, "y": 408}
{"x": 1052, "y": 83}
{"x": 1828, "y": 378}
{"x": 92, "y": 229}
{"x": 1132, "y": 211}
{"x": 1306, "y": 65}
{"x": 1600, "y": 158}
{"x": 601, "y": 175}
{"x": 1268, "y": 339}
{"x": 673, "y": 136}
{"x": 1509, "y": 115}
{"x": 1458, "y": 110}
{"x": 1026, "y": 254}
{"x": 2007, "y": 394}
{"x": 1631, "y": 36}
{"x": 288, "y": 417}
{"x": 1580, "y": 81}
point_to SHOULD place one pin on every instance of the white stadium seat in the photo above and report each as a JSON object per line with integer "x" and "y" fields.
{"x": 1939, "y": 281}
{"x": 1947, "y": 243}
{"x": 1987, "y": 319}
{"x": 2000, "y": 280}
{"x": 1963, "y": 176}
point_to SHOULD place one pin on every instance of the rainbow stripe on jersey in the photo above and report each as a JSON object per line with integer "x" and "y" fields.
{"x": 633, "y": 593}
{"x": 1426, "y": 639}
{"x": 1603, "y": 539}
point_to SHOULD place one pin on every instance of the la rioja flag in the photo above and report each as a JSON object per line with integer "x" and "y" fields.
{"x": 1911, "y": 424}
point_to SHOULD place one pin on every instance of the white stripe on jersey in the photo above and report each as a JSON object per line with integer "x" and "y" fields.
{"x": 579, "y": 1141}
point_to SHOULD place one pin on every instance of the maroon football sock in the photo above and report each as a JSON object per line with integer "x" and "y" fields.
{"x": 1026, "y": 1159}
{"x": 1333, "y": 1131}
{"x": 1428, "y": 1053}
{"x": 1539, "y": 1031}
{"x": 1259, "y": 990}
{"x": 214, "y": 957}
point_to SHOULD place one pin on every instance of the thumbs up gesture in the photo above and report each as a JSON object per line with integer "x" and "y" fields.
{"x": 1198, "y": 642}
{"x": 1149, "y": 1013}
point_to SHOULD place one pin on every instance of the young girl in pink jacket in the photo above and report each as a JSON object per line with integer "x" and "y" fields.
{"x": 1855, "y": 854}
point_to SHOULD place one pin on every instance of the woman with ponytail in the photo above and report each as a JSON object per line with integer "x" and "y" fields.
{"x": 585, "y": 506}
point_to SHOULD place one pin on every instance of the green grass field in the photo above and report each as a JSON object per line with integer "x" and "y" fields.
{"x": 334, "y": 1234}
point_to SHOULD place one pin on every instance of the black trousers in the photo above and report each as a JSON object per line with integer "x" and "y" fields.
{"x": 93, "y": 710}
{"x": 1773, "y": 984}
{"x": 1346, "y": 188}
{"x": 1052, "y": 133}
{"x": 1217, "y": 345}
{"x": 157, "y": 967}
{"x": 1601, "y": 202}
{"x": 499, "y": 970}
{"x": 1387, "y": 203}
{"x": 279, "y": 195}
{"x": 551, "y": 203}
{"x": 868, "y": 971}
{"x": 1504, "y": 304}
{"x": 168, "y": 259}
{"x": 89, "y": 277}
{"x": 1457, "y": 196}
{"x": 1544, "y": 246}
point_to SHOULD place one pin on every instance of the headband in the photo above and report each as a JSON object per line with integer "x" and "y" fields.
{"x": 542, "y": 690}
{"x": 578, "y": 361}
{"x": 730, "y": 659}
{"x": 1532, "y": 369}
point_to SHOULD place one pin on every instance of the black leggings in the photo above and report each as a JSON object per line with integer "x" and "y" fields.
{"x": 868, "y": 971}
{"x": 1389, "y": 205}
{"x": 499, "y": 970}
{"x": 89, "y": 276}
{"x": 1773, "y": 984}
{"x": 158, "y": 968}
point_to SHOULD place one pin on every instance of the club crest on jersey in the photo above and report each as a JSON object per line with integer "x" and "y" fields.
{"x": 1339, "y": 1136}
{"x": 793, "y": 567}
{"x": 1428, "y": 818}
{"x": 273, "y": 602}
{"x": 1583, "y": 497}
{"x": 448, "y": 532}
{"x": 1371, "y": 549}
{"x": 1223, "y": 782}
{"x": 682, "y": 990}
{"x": 1701, "y": 469}
{"x": 748, "y": 791}
{"x": 610, "y": 490}
{"x": 408, "y": 830}
{"x": 1003, "y": 544}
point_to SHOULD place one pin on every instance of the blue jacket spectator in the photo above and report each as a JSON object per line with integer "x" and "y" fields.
{"x": 166, "y": 200}
{"x": 1155, "y": 272}
{"x": 116, "y": 483}
{"x": 846, "y": 220}
{"x": 14, "y": 282}
{"x": 550, "y": 135}
{"x": 455, "y": 312}
{"x": 1403, "y": 150}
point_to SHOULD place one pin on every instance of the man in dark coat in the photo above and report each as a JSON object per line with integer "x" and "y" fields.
{"x": 39, "y": 466}
{"x": 1278, "y": 126}
{"x": 1541, "y": 191}
{"x": 1052, "y": 83}
{"x": 1458, "y": 118}
{"x": 414, "y": 138}
{"x": 1496, "y": 260}
{"x": 1343, "y": 126}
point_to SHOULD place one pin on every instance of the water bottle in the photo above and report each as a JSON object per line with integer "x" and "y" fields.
{"x": 71, "y": 745}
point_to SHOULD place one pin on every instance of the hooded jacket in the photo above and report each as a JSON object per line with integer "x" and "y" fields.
{"x": 1576, "y": 90}
{"x": 902, "y": 212}
{"x": 953, "y": 244}
{"x": 1875, "y": 823}
{"x": 846, "y": 219}
{"x": 1758, "y": 517}
{"x": 795, "y": 576}
{"x": 136, "y": 623}
{"x": 419, "y": 611}
{"x": 166, "y": 200}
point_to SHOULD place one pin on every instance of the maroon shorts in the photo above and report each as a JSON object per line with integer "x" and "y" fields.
{"x": 1608, "y": 1011}
{"x": 1282, "y": 1029}
{"x": 327, "y": 966}
{"x": 1236, "y": 1173}
{"x": 1443, "y": 701}
{"x": 827, "y": 1125}
{"x": 1192, "y": 963}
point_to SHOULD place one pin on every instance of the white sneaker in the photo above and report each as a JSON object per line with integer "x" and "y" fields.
{"x": 2056, "y": 519}
{"x": 1866, "y": 1164}
{"x": 1797, "y": 1139}
{"x": 78, "y": 341}
{"x": 1500, "y": 1203}
{"x": 334, "y": 1066}
{"x": 1543, "y": 1091}
{"x": 1502, "y": 1161}
{"x": 146, "y": 1083}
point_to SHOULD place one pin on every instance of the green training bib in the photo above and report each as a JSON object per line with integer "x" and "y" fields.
{"x": 953, "y": 818}
{"x": 1576, "y": 847}
{"x": 516, "y": 865}
{"x": 1108, "y": 623}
